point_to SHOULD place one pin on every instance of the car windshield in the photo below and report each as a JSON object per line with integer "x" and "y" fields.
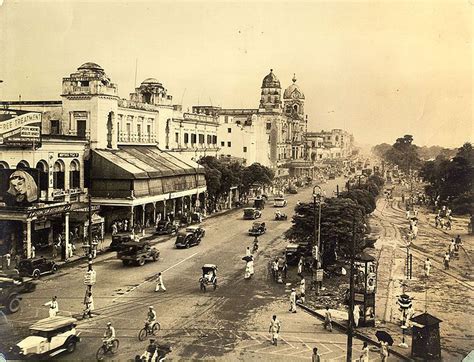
{"x": 180, "y": 237}
{"x": 279, "y": 199}
{"x": 256, "y": 224}
{"x": 249, "y": 211}
{"x": 191, "y": 230}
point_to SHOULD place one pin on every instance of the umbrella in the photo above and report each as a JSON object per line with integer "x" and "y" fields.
{"x": 247, "y": 258}
{"x": 404, "y": 301}
{"x": 384, "y": 337}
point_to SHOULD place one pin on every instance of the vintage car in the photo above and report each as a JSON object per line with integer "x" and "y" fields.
{"x": 292, "y": 190}
{"x": 294, "y": 252}
{"x": 119, "y": 239}
{"x": 49, "y": 337}
{"x": 26, "y": 284}
{"x": 279, "y": 202}
{"x": 10, "y": 294}
{"x": 209, "y": 277}
{"x": 186, "y": 240}
{"x": 137, "y": 253}
{"x": 166, "y": 228}
{"x": 257, "y": 229}
{"x": 251, "y": 213}
{"x": 36, "y": 267}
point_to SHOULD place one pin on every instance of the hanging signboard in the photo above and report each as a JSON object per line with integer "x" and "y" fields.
{"x": 19, "y": 188}
{"x": 319, "y": 275}
{"x": 20, "y": 129}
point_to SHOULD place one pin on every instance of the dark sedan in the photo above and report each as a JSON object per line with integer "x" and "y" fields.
{"x": 36, "y": 267}
{"x": 186, "y": 240}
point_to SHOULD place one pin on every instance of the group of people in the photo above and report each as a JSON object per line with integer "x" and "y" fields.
{"x": 453, "y": 249}
{"x": 279, "y": 268}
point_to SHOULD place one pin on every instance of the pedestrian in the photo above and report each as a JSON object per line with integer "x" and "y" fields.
{"x": 457, "y": 242}
{"x": 415, "y": 231}
{"x": 275, "y": 269}
{"x": 452, "y": 247}
{"x": 33, "y": 252}
{"x": 356, "y": 314}
{"x": 302, "y": 289}
{"x": 315, "y": 356}
{"x": 114, "y": 228}
{"x": 327, "y": 319}
{"x": 383, "y": 351}
{"x": 53, "y": 307}
{"x": 446, "y": 261}
{"x": 300, "y": 266}
{"x": 159, "y": 283}
{"x": 427, "y": 267}
{"x": 89, "y": 305}
{"x": 293, "y": 301}
{"x": 125, "y": 225}
{"x": 69, "y": 250}
{"x": 274, "y": 329}
{"x": 8, "y": 258}
{"x": 364, "y": 357}
{"x": 248, "y": 252}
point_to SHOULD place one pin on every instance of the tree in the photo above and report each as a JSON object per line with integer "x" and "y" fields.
{"x": 404, "y": 154}
{"x": 380, "y": 149}
{"x": 337, "y": 215}
{"x": 256, "y": 174}
{"x": 362, "y": 197}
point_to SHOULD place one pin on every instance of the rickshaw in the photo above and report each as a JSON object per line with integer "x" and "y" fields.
{"x": 209, "y": 276}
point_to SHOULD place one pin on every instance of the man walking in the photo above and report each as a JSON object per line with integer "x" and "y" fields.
{"x": 300, "y": 266}
{"x": 274, "y": 329}
{"x": 452, "y": 247}
{"x": 327, "y": 319}
{"x": 293, "y": 301}
{"x": 159, "y": 283}
{"x": 446, "y": 261}
{"x": 315, "y": 357}
{"x": 427, "y": 267}
{"x": 302, "y": 289}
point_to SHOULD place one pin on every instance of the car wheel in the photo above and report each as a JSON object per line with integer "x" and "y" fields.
{"x": 13, "y": 304}
{"x": 187, "y": 246}
{"x": 54, "y": 269}
{"x": 141, "y": 261}
{"x": 155, "y": 257}
{"x": 36, "y": 274}
{"x": 71, "y": 346}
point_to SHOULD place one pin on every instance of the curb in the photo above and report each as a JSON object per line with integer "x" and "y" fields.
{"x": 343, "y": 328}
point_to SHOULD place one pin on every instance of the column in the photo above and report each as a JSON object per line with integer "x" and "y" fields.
{"x": 66, "y": 234}
{"x": 131, "y": 217}
{"x": 143, "y": 215}
{"x": 164, "y": 209}
{"x": 28, "y": 239}
{"x": 154, "y": 214}
{"x": 182, "y": 205}
{"x": 196, "y": 207}
{"x": 174, "y": 207}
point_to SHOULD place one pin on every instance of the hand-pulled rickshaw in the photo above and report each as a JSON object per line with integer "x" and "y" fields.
{"x": 209, "y": 276}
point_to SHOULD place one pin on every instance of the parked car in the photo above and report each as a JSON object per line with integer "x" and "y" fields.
{"x": 257, "y": 229}
{"x": 292, "y": 190}
{"x": 259, "y": 203}
{"x": 251, "y": 213}
{"x": 137, "y": 253}
{"x": 49, "y": 337}
{"x": 196, "y": 230}
{"x": 279, "y": 202}
{"x": 165, "y": 227}
{"x": 10, "y": 297}
{"x": 186, "y": 240}
{"x": 36, "y": 267}
{"x": 293, "y": 252}
{"x": 119, "y": 239}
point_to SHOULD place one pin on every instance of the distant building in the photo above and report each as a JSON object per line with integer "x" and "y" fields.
{"x": 334, "y": 144}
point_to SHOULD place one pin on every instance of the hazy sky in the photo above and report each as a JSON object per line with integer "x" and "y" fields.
{"x": 376, "y": 68}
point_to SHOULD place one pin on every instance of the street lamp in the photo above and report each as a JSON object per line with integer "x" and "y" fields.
{"x": 317, "y": 236}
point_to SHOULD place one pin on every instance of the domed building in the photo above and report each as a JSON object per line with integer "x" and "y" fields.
{"x": 270, "y": 96}
{"x": 293, "y": 100}
{"x": 151, "y": 91}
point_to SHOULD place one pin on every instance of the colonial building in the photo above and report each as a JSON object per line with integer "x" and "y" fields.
{"x": 325, "y": 145}
{"x": 135, "y": 150}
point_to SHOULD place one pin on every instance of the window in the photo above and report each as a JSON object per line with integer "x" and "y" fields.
{"x": 148, "y": 129}
{"x": 229, "y": 130}
{"x": 81, "y": 127}
{"x": 222, "y": 143}
{"x": 128, "y": 131}
{"x": 118, "y": 131}
{"x": 229, "y": 144}
{"x": 176, "y": 137}
{"x": 193, "y": 137}
{"x": 214, "y": 140}
{"x": 269, "y": 126}
{"x": 74, "y": 175}
{"x": 226, "y": 119}
{"x": 58, "y": 175}
{"x": 313, "y": 143}
{"x": 209, "y": 139}
{"x": 186, "y": 138}
{"x": 139, "y": 130}
{"x": 54, "y": 126}
{"x": 201, "y": 138}
{"x": 245, "y": 149}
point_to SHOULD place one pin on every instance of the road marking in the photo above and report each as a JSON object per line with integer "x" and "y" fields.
{"x": 182, "y": 261}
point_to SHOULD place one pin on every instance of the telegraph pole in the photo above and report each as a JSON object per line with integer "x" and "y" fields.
{"x": 351, "y": 297}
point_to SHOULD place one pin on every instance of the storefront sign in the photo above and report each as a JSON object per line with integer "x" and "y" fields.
{"x": 319, "y": 275}
{"x": 68, "y": 155}
{"x": 359, "y": 297}
{"x": 59, "y": 193}
{"x": 40, "y": 225}
{"x": 86, "y": 209}
{"x": 49, "y": 211}
{"x": 20, "y": 128}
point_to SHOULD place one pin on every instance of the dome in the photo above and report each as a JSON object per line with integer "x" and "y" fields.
{"x": 91, "y": 67}
{"x": 293, "y": 91}
{"x": 151, "y": 81}
{"x": 271, "y": 81}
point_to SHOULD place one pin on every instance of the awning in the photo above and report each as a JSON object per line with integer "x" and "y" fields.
{"x": 140, "y": 162}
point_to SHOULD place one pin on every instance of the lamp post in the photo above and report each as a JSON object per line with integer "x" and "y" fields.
{"x": 317, "y": 234}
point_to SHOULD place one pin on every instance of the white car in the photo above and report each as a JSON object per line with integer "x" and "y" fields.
{"x": 279, "y": 202}
{"x": 49, "y": 337}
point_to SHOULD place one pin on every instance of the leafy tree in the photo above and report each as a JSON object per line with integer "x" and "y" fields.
{"x": 337, "y": 215}
{"x": 256, "y": 174}
{"x": 404, "y": 154}
{"x": 380, "y": 149}
{"x": 362, "y": 197}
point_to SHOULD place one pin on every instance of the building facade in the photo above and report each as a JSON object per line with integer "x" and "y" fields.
{"x": 329, "y": 145}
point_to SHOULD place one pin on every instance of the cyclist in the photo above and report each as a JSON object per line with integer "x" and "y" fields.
{"x": 151, "y": 317}
{"x": 109, "y": 335}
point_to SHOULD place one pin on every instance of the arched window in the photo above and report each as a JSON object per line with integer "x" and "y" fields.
{"x": 74, "y": 175}
{"x": 42, "y": 167}
{"x": 4, "y": 165}
{"x": 58, "y": 175}
{"x": 22, "y": 164}
{"x": 295, "y": 107}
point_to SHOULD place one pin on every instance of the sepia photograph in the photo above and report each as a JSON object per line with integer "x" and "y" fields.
{"x": 236, "y": 180}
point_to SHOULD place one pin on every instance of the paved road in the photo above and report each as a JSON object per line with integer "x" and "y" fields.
{"x": 231, "y": 321}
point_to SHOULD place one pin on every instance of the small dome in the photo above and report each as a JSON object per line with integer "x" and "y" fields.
{"x": 271, "y": 81}
{"x": 92, "y": 67}
{"x": 151, "y": 81}
{"x": 293, "y": 91}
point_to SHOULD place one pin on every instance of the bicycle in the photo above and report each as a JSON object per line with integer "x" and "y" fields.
{"x": 106, "y": 348}
{"x": 147, "y": 331}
